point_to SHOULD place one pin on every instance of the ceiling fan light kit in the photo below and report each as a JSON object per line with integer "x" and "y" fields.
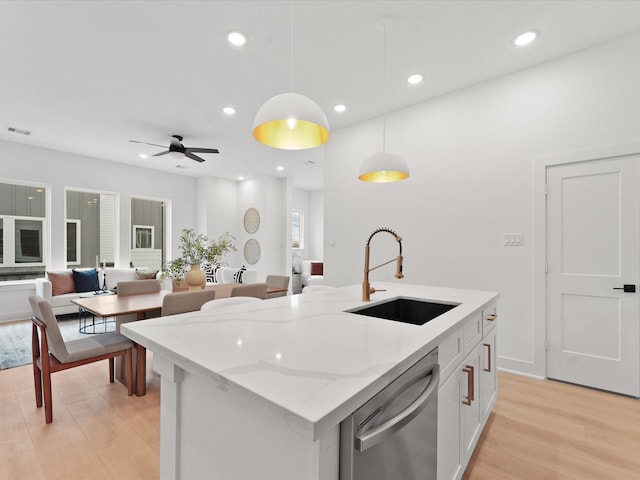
{"x": 291, "y": 121}
{"x": 177, "y": 149}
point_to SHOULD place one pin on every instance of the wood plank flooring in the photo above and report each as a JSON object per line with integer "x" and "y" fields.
{"x": 98, "y": 432}
{"x": 539, "y": 430}
{"x": 543, "y": 429}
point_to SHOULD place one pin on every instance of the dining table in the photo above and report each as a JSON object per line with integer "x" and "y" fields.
{"x": 128, "y": 308}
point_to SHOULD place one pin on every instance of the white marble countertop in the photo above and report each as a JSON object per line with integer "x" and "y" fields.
{"x": 311, "y": 363}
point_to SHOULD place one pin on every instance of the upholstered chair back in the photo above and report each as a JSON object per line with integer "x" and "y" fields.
{"x": 258, "y": 290}
{"x": 42, "y": 310}
{"x": 138, "y": 287}
{"x": 277, "y": 281}
{"x": 181, "y": 302}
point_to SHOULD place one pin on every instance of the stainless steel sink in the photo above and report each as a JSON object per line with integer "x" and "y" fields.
{"x": 406, "y": 310}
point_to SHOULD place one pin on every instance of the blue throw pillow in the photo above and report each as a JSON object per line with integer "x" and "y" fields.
{"x": 86, "y": 280}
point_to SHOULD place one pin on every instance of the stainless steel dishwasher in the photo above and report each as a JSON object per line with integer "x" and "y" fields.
{"x": 394, "y": 435}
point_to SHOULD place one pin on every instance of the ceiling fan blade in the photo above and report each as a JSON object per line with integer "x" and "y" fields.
{"x": 203, "y": 150}
{"x": 146, "y": 143}
{"x": 193, "y": 157}
{"x": 161, "y": 153}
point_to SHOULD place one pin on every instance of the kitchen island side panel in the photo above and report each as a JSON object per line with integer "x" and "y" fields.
{"x": 209, "y": 432}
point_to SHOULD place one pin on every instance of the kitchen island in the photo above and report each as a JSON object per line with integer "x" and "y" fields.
{"x": 258, "y": 390}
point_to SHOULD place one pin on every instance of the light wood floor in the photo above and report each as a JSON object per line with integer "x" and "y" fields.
{"x": 539, "y": 430}
{"x": 543, "y": 429}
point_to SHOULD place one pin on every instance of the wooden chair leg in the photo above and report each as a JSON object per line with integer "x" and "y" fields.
{"x": 37, "y": 383}
{"x": 128, "y": 360}
{"x": 46, "y": 384}
{"x": 37, "y": 373}
{"x": 111, "y": 370}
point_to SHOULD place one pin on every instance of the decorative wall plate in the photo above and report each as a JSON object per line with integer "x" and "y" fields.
{"x": 251, "y": 220}
{"x": 252, "y": 251}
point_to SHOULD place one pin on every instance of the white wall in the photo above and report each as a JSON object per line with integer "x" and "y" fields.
{"x": 59, "y": 170}
{"x": 311, "y": 203}
{"x": 268, "y": 195}
{"x": 316, "y": 224}
{"x": 471, "y": 159}
{"x": 218, "y": 212}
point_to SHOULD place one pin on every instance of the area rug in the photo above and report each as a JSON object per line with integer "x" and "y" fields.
{"x": 15, "y": 339}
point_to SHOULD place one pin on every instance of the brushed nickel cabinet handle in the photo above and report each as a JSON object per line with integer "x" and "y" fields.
{"x": 488, "y": 345}
{"x": 492, "y": 317}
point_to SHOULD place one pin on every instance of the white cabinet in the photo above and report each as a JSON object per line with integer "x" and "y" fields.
{"x": 489, "y": 382}
{"x": 470, "y": 405}
{"x": 449, "y": 426}
{"x": 467, "y": 392}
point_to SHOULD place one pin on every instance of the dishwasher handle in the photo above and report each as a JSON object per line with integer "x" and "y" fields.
{"x": 369, "y": 439}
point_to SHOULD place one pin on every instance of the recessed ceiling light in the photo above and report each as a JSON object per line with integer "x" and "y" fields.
{"x": 143, "y": 155}
{"x": 340, "y": 108}
{"x": 415, "y": 79}
{"x": 525, "y": 38}
{"x": 229, "y": 110}
{"x": 280, "y": 168}
{"x": 240, "y": 178}
{"x": 237, "y": 39}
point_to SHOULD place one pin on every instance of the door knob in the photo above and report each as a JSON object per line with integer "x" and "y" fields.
{"x": 627, "y": 288}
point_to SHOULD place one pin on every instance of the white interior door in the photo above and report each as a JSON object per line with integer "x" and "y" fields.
{"x": 593, "y": 244}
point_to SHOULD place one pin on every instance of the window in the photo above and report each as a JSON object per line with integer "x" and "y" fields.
{"x": 92, "y": 217}
{"x": 148, "y": 227}
{"x": 22, "y": 231}
{"x": 28, "y": 242}
{"x": 142, "y": 236}
{"x": 74, "y": 242}
{"x": 297, "y": 228}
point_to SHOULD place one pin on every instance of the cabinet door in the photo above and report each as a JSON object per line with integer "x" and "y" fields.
{"x": 489, "y": 383}
{"x": 449, "y": 427}
{"x": 470, "y": 402}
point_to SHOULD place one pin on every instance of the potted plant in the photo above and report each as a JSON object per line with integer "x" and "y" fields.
{"x": 176, "y": 270}
{"x": 197, "y": 250}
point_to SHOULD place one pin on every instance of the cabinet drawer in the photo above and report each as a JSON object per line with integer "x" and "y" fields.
{"x": 489, "y": 318}
{"x": 472, "y": 332}
{"x": 450, "y": 354}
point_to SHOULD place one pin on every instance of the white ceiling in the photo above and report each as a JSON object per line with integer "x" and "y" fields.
{"x": 87, "y": 76}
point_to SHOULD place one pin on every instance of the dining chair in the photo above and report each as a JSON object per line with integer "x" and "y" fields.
{"x": 138, "y": 287}
{"x": 258, "y": 290}
{"x": 51, "y": 353}
{"x": 181, "y": 302}
{"x": 279, "y": 284}
{"x": 225, "y": 302}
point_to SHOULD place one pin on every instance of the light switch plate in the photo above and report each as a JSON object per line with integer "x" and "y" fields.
{"x": 512, "y": 239}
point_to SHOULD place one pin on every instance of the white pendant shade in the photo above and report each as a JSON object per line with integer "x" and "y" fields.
{"x": 384, "y": 167}
{"x": 292, "y": 122}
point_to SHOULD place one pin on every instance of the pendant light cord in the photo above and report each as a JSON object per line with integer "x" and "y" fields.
{"x": 291, "y": 46}
{"x": 384, "y": 89}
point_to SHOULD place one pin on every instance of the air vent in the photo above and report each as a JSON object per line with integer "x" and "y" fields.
{"x": 309, "y": 162}
{"x": 19, "y": 130}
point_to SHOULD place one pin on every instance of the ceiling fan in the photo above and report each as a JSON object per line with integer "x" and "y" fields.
{"x": 177, "y": 146}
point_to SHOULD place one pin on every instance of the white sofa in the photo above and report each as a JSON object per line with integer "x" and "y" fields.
{"x": 226, "y": 275}
{"x": 307, "y": 277}
{"x": 61, "y": 304}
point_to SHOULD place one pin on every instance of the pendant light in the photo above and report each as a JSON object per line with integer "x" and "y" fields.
{"x": 384, "y": 167}
{"x": 291, "y": 121}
